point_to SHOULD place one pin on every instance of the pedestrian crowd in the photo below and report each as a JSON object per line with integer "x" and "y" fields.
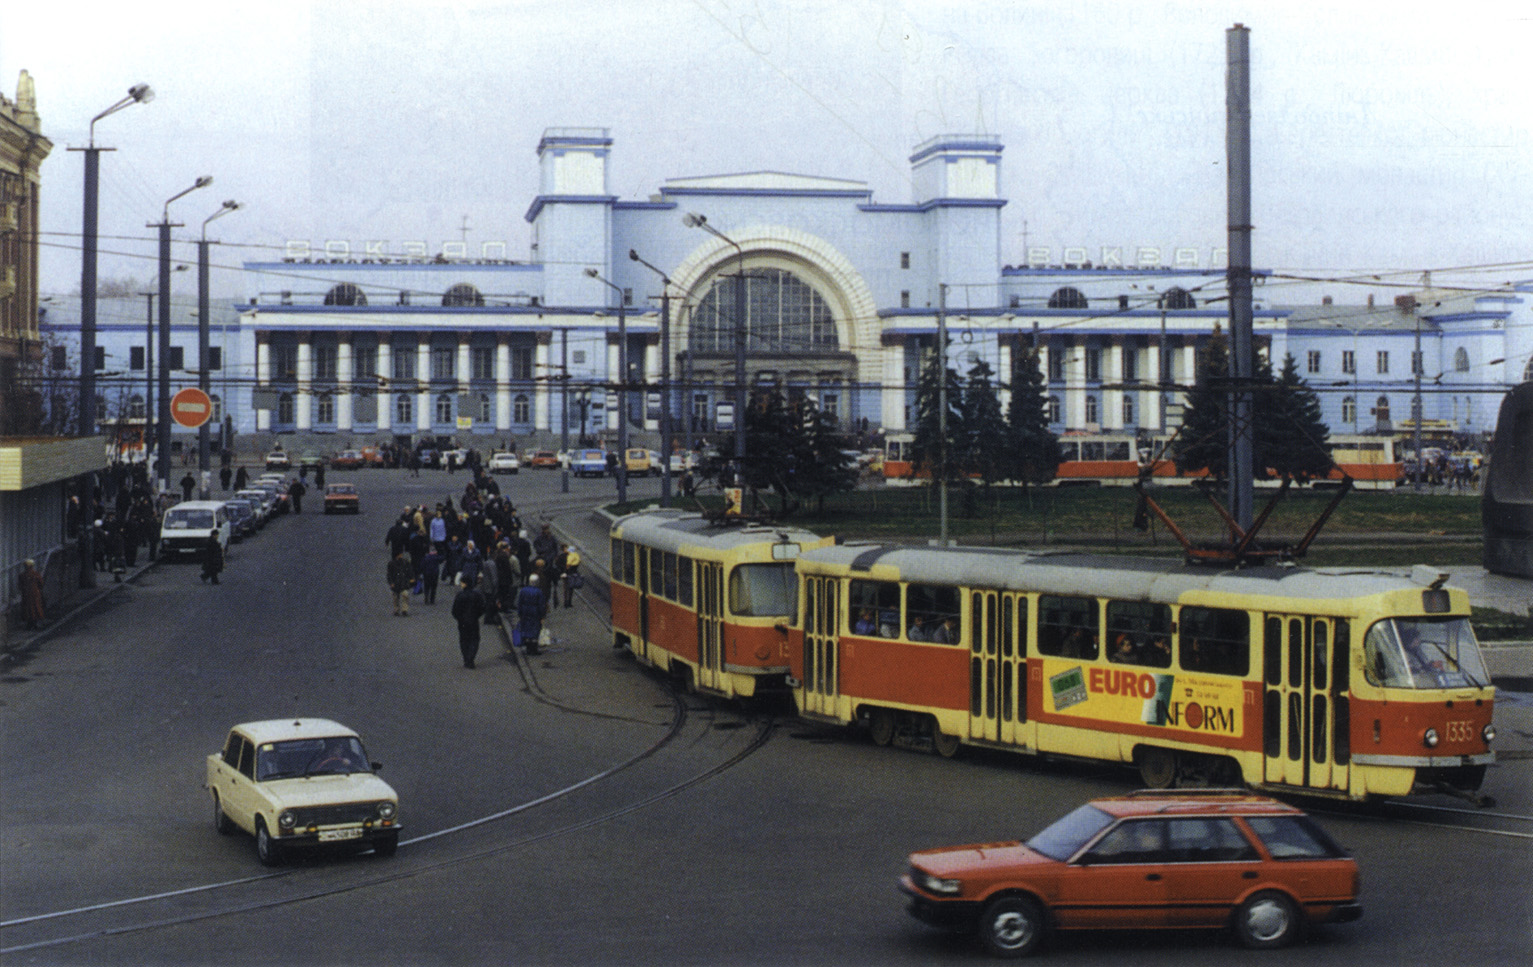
{"x": 500, "y": 571}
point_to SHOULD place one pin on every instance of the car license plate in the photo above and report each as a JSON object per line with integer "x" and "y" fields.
{"x": 332, "y": 835}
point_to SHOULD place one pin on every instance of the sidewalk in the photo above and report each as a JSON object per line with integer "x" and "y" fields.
{"x": 21, "y": 641}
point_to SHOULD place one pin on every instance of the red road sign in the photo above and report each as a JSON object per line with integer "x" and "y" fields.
{"x": 191, "y": 407}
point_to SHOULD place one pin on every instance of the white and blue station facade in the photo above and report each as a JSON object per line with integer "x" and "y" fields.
{"x": 358, "y": 341}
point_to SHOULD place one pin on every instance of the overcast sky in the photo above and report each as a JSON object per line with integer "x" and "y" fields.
{"x": 1387, "y": 137}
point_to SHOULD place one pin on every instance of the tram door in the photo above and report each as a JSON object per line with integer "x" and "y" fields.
{"x": 997, "y": 669}
{"x": 1304, "y": 717}
{"x": 822, "y": 645}
{"x": 710, "y": 625}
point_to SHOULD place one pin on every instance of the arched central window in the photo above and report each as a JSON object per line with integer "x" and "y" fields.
{"x": 1067, "y": 298}
{"x": 462, "y": 294}
{"x": 783, "y": 313}
{"x": 345, "y": 294}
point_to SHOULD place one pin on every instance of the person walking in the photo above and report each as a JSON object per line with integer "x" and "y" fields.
{"x": 295, "y": 494}
{"x": 568, "y": 565}
{"x": 431, "y": 572}
{"x": 224, "y": 476}
{"x": 188, "y": 483}
{"x": 530, "y": 609}
{"x": 33, "y": 611}
{"x": 401, "y": 578}
{"x": 489, "y": 589}
{"x": 467, "y": 608}
{"x": 241, "y": 477}
{"x": 212, "y": 559}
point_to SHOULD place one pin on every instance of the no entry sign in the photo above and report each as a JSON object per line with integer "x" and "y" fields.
{"x": 191, "y": 407}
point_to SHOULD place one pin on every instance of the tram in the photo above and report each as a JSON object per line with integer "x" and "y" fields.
{"x": 1373, "y": 462}
{"x": 1331, "y": 682}
{"x": 705, "y": 603}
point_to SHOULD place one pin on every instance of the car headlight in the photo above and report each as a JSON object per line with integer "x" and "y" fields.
{"x": 936, "y": 884}
{"x": 1490, "y": 734}
{"x": 287, "y": 819}
{"x": 386, "y": 810}
{"x": 1429, "y": 738}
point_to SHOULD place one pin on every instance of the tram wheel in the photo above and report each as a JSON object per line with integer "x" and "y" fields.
{"x": 1157, "y": 767}
{"x": 945, "y": 745}
{"x": 881, "y": 726}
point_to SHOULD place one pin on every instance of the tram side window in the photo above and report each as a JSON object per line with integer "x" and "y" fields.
{"x": 1067, "y": 627}
{"x": 630, "y": 566}
{"x": 763, "y": 590}
{"x": 932, "y": 614}
{"x": 684, "y": 581}
{"x": 1214, "y": 640}
{"x": 656, "y": 576}
{"x": 617, "y": 561}
{"x": 874, "y": 608}
{"x": 670, "y": 575}
{"x": 1139, "y": 633}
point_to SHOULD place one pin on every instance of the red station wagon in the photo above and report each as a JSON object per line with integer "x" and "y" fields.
{"x": 1218, "y": 858}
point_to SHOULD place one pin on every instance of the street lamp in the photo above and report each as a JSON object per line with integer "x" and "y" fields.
{"x": 694, "y": 220}
{"x": 622, "y": 387}
{"x": 665, "y": 379}
{"x": 162, "y": 444}
{"x": 204, "y": 380}
{"x": 137, "y": 94}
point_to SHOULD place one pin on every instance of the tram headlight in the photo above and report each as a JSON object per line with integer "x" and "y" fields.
{"x": 1489, "y": 732}
{"x": 1429, "y": 738}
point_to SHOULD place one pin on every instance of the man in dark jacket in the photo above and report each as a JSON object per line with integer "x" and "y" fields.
{"x": 401, "y": 578}
{"x": 212, "y": 558}
{"x": 467, "y": 608}
{"x": 531, "y": 606}
{"x": 295, "y": 494}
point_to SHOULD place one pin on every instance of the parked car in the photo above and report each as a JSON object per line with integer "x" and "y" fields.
{"x": 504, "y": 461}
{"x": 301, "y": 783}
{"x": 641, "y": 462}
{"x": 242, "y": 518}
{"x": 1215, "y": 858}
{"x": 264, "y": 500}
{"x": 278, "y": 460}
{"x": 543, "y": 459}
{"x": 347, "y": 460}
{"x": 186, "y": 526}
{"x": 589, "y": 463}
{"x": 342, "y": 498}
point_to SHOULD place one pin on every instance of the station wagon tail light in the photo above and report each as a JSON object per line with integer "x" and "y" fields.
{"x": 1429, "y": 738}
{"x": 1489, "y": 732}
{"x": 936, "y": 884}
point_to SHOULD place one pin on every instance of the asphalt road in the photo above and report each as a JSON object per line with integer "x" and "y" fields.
{"x": 566, "y": 810}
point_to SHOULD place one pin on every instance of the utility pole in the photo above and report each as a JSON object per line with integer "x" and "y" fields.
{"x": 942, "y": 450}
{"x": 1238, "y": 155}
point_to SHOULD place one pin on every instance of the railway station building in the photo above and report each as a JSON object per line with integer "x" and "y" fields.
{"x": 354, "y": 341}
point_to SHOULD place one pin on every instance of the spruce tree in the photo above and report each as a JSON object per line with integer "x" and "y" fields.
{"x": 1203, "y": 442}
{"x": 926, "y": 448}
{"x": 1291, "y": 436}
{"x": 984, "y": 429}
{"x": 1031, "y": 450}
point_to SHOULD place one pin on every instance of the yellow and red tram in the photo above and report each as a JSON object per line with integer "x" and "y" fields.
{"x": 708, "y": 604}
{"x": 1332, "y": 682}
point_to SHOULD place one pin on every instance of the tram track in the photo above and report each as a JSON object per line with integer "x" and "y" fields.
{"x": 297, "y": 885}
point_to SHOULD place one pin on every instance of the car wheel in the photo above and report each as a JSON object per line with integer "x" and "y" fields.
{"x": 1012, "y": 926}
{"x": 881, "y": 726}
{"x": 221, "y": 821}
{"x": 386, "y": 846}
{"x": 1268, "y": 919}
{"x": 267, "y": 849}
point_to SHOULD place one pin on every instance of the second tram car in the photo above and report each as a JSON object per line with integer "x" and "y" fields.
{"x": 705, "y": 603}
{"x": 1342, "y": 683}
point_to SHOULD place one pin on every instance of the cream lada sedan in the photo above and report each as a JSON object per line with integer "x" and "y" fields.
{"x": 301, "y": 783}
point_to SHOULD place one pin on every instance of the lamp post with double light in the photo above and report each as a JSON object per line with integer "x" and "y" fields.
{"x": 204, "y": 375}
{"x": 694, "y": 220}
{"x": 666, "y": 442}
{"x": 622, "y": 386}
{"x": 162, "y": 463}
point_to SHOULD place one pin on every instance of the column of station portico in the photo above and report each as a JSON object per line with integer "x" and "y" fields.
{"x": 1073, "y": 390}
{"x": 544, "y": 389}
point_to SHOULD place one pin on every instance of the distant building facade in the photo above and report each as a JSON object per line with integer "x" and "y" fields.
{"x": 361, "y": 340}
{"x": 22, "y": 150}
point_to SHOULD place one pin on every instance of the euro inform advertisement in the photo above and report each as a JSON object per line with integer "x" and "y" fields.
{"x": 1135, "y": 696}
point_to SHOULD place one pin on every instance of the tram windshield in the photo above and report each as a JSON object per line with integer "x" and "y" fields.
{"x": 1424, "y": 653}
{"x": 763, "y": 590}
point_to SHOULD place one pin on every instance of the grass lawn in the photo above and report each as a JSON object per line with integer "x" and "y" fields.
{"x": 1368, "y": 528}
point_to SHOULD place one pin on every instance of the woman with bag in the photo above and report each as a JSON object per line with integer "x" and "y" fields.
{"x": 568, "y": 566}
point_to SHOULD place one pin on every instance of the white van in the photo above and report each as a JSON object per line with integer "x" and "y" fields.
{"x": 187, "y": 525}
